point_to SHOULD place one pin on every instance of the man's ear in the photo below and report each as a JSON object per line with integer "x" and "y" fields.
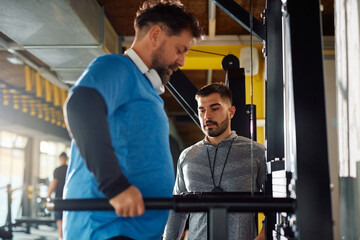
{"x": 232, "y": 111}
{"x": 155, "y": 35}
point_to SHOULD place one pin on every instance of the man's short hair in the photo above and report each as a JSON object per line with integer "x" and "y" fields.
{"x": 63, "y": 155}
{"x": 219, "y": 88}
{"x": 169, "y": 13}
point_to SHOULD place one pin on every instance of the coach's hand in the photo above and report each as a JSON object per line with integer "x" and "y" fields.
{"x": 128, "y": 203}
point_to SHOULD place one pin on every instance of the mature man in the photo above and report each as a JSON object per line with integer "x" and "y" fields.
{"x": 57, "y": 186}
{"x": 219, "y": 163}
{"x": 120, "y": 130}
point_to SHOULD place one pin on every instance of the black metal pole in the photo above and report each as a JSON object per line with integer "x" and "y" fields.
{"x": 216, "y": 204}
{"x": 186, "y": 204}
{"x": 235, "y": 78}
{"x": 241, "y": 16}
{"x": 313, "y": 213}
{"x": 184, "y": 92}
{"x": 274, "y": 97}
{"x": 217, "y": 219}
{"x": 8, "y": 218}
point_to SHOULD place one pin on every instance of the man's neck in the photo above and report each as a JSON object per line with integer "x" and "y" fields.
{"x": 141, "y": 49}
{"x": 215, "y": 140}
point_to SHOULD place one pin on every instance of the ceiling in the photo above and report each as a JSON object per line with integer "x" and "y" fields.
{"x": 58, "y": 38}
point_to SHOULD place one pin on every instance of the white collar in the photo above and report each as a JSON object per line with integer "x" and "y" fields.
{"x": 151, "y": 74}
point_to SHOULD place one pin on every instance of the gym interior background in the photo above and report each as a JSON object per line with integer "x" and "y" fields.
{"x": 46, "y": 45}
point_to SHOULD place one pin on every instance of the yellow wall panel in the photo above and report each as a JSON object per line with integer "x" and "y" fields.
{"x": 48, "y": 91}
{"x": 57, "y": 99}
{"x": 39, "y": 85}
{"x": 63, "y": 96}
{"x": 28, "y": 78}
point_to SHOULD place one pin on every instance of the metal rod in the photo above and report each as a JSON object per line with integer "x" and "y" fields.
{"x": 62, "y": 46}
{"x": 201, "y": 203}
{"x": 184, "y": 92}
{"x": 68, "y": 69}
{"x": 240, "y": 15}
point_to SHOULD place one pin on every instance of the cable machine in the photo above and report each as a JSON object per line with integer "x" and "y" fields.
{"x": 296, "y": 137}
{"x": 296, "y": 140}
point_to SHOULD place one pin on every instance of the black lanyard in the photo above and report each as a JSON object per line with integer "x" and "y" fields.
{"x": 212, "y": 170}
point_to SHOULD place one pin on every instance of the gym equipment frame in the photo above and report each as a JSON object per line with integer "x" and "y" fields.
{"x": 296, "y": 136}
{"x": 217, "y": 205}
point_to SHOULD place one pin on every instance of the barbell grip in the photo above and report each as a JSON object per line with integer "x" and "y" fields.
{"x": 102, "y": 204}
{"x": 184, "y": 204}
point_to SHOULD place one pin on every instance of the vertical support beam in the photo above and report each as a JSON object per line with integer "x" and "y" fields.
{"x": 209, "y": 76}
{"x": 35, "y": 167}
{"x": 217, "y": 224}
{"x": 9, "y": 216}
{"x": 347, "y": 36}
{"x": 236, "y": 82}
{"x": 212, "y": 18}
{"x": 348, "y": 87}
{"x": 274, "y": 82}
{"x": 26, "y": 201}
{"x": 313, "y": 213}
{"x": 274, "y": 97}
{"x": 251, "y": 120}
{"x": 242, "y": 121}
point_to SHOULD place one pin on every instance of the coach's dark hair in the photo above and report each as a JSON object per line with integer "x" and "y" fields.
{"x": 219, "y": 88}
{"x": 170, "y": 13}
{"x": 63, "y": 155}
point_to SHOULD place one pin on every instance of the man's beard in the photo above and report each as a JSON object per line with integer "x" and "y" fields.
{"x": 161, "y": 68}
{"x": 220, "y": 128}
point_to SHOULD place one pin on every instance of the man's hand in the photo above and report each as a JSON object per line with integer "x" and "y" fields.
{"x": 128, "y": 203}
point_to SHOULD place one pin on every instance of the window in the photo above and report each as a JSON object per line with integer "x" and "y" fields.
{"x": 12, "y": 161}
{"x": 49, "y": 157}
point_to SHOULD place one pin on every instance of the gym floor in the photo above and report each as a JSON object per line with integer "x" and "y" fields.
{"x": 40, "y": 233}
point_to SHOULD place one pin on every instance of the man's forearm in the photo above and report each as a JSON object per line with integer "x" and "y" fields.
{"x": 86, "y": 114}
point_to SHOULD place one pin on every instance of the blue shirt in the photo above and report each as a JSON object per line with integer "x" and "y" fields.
{"x": 140, "y": 137}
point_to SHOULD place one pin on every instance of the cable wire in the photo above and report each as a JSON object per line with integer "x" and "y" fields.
{"x": 218, "y": 54}
{"x": 251, "y": 99}
{"x": 251, "y": 109}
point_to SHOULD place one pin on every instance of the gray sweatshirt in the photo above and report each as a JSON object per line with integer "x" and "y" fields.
{"x": 194, "y": 175}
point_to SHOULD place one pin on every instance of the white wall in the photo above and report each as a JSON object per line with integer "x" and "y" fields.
{"x": 330, "y": 100}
